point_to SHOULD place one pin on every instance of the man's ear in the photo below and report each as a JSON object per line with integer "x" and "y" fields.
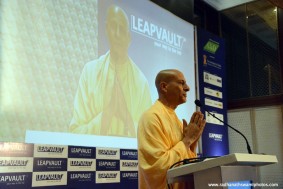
{"x": 163, "y": 86}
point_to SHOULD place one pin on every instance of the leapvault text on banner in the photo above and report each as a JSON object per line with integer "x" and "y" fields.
{"x": 54, "y": 178}
{"x": 56, "y": 151}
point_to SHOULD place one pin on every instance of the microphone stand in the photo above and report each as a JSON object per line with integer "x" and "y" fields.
{"x": 199, "y": 104}
{"x": 248, "y": 146}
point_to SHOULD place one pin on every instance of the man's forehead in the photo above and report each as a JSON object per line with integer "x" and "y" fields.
{"x": 169, "y": 74}
{"x": 117, "y": 19}
{"x": 176, "y": 76}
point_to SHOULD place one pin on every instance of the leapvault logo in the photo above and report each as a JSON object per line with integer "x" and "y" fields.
{"x": 157, "y": 33}
{"x": 13, "y": 162}
{"x": 102, "y": 153}
{"x": 104, "y": 165}
{"x": 215, "y": 136}
{"x": 12, "y": 178}
{"x": 81, "y": 150}
{"x": 129, "y": 154}
{"x": 86, "y": 163}
{"x": 162, "y": 37}
{"x": 129, "y": 165}
{"x": 107, "y": 152}
{"x": 107, "y": 163}
{"x": 52, "y": 149}
{"x": 78, "y": 164}
{"x": 79, "y": 176}
{"x": 107, "y": 176}
{"x": 10, "y": 149}
{"x": 52, "y": 178}
{"x": 49, "y": 162}
{"x": 13, "y": 147}
{"x": 16, "y": 164}
{"x": 130, "y": 175}
{"x": 49, "y": 177}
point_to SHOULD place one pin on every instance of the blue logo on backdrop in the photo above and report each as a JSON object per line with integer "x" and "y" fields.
{"x": 107, "y": 165}
{"x": 15, "y": 180}
{"x": 129, "y": 154}
{"x": 81, "y": 179}
{"x": 129, "y": 179}
{"x": 81, "y": 152}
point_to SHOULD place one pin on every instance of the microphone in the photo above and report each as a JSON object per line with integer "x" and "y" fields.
{"x": 199, "y": 104}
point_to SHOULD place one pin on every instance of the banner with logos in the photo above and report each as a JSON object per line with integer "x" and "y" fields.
{"x": 25, "y": 166}
{"x": 212, "y": 92}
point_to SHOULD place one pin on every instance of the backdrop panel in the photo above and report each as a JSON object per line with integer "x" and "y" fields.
{"x": 25, "y": 166}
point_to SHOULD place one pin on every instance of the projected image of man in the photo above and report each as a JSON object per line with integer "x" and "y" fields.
{"x": 112, "y": 91}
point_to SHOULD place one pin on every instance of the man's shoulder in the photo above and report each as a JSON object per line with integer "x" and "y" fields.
{"x": 95, "y": 66}
{"x": 96, "y": 62}
{"x": 153, "y": 116}
{"x": 155, "y": 109}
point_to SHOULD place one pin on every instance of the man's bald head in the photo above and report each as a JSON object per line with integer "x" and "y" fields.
{"x": 118, "y": 32}
{"x": 172, "y": 87}
{"x": 165, "y": 76}
{"x": 116, "y": 12}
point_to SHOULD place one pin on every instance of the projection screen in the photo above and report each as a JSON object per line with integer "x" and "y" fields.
{"x": 58, "y": 83}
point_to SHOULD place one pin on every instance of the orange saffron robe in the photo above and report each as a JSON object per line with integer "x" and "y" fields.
{"x": 160, "y": 145}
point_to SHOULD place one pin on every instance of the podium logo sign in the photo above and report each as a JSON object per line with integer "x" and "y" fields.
{"x": 216, "y": 137}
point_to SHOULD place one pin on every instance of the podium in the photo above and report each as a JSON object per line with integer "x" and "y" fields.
{"x": 225, "y": 172}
